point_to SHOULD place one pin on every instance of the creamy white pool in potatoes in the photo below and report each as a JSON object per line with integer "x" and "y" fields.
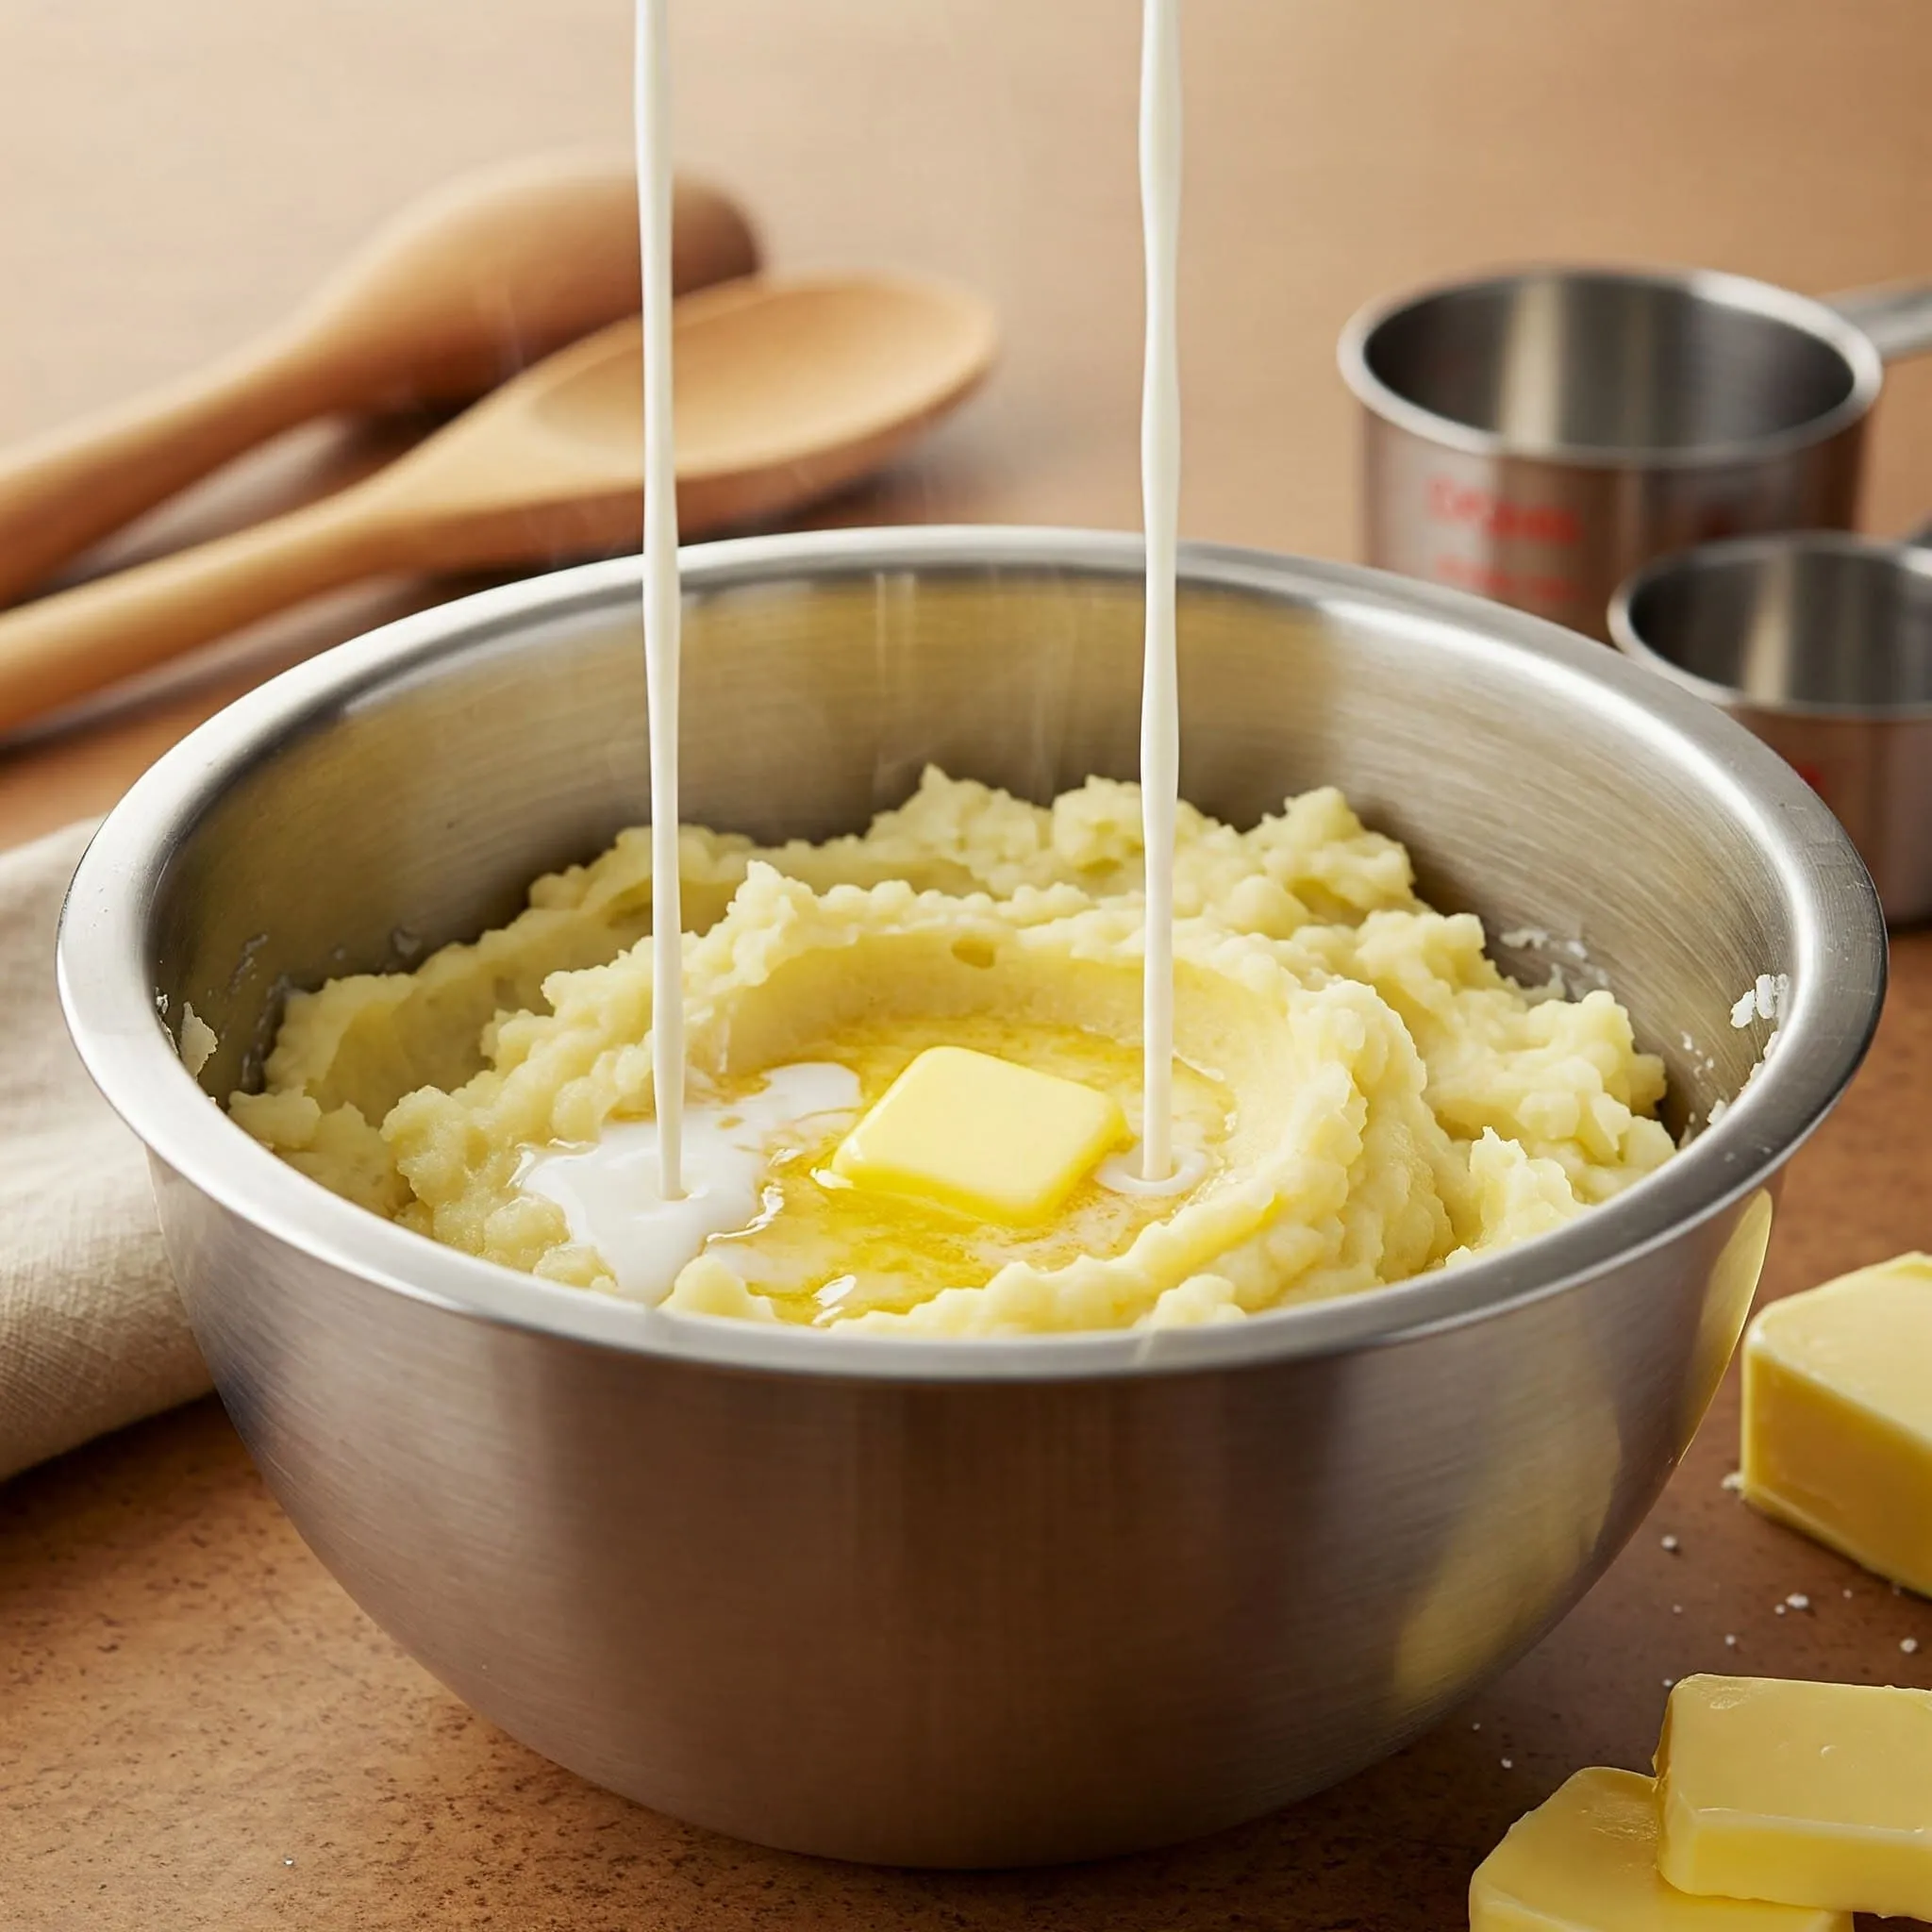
{"x": 1359, "y": 1095}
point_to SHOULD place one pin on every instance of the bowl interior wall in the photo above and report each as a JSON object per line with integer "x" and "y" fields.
{"x": 417, "y": 809}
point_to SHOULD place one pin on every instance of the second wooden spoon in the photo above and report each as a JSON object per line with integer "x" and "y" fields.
{"x": 784, "y": 391}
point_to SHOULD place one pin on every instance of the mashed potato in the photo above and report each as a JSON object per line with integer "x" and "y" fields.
{"x": 1370, "y": 1097}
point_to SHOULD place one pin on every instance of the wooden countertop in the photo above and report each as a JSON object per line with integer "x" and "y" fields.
{"x": 198, "y": 1728}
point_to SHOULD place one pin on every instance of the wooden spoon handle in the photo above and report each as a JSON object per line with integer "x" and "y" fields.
{"x": 61, "y": 648}
{"x": 64, "y": 491}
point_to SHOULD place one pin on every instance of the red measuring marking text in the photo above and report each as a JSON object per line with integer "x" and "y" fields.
{"x": 1472, "y": 507}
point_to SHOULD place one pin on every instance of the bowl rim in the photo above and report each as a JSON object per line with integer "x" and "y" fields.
{"x": 1903, "y": 554}
{"x": 1803, "y": 314}
{"x": 1838, "y": 969}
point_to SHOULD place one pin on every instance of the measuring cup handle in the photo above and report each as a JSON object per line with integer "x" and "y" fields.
{"x": 1897, "y": 317}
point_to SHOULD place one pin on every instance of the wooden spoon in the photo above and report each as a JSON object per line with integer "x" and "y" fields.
{"x": 497, "y": 269}
{"x": 784, "y": 391}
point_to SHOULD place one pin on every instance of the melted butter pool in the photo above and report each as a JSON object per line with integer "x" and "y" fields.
{"x": 765, "y": 1204}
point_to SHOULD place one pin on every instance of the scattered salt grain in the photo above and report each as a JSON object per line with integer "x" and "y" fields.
{"x": 1670, "y": 1543}
{"x": 1764, "y": 1001}
{"x": 1798, "y": 1600}
{"x": 1508, "y": 1764}
{"x": 1730, "y": 1640}
{"x": 1735, "y": 1481}
{"x": 1909, "y": 1645}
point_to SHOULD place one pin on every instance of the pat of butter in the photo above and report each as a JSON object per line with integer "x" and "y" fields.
{"x": 1585, "y": 1860}
{"x": 971, "y": 1132}
{"x": 1838, "y": 1416}
{"x": 1813, "y": 1794}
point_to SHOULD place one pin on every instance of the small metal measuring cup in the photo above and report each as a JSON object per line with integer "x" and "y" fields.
{"x": 1821, "y": 642}
{"x": 1535, "y": 436}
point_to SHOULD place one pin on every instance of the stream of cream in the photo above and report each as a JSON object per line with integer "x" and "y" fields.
{"x": 1160, "y": 470}
{"x": 662, "y": 611}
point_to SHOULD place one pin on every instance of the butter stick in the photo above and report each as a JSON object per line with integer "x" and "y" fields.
{"x": 1805, "y": 1794}
{"x": 1586, "y": 1862}
{"x": 1838, "y": 1416}
{"x": 981, "y": 1136}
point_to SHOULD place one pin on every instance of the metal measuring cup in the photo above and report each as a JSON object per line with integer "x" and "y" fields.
{"x": 1536, "y": 436}
{"x": 1821, "y": 642}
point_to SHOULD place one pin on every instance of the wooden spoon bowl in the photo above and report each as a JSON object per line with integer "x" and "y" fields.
{"x": 784, "y": 391}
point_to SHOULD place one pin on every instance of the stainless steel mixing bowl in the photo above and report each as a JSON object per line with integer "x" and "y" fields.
{"x": 966, "y": 1602}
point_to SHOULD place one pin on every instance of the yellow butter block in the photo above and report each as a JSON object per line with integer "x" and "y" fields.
{"x": 1838, "y": 1416}
{"x": 972, "y": 1132}
{"x": 1586, "y": 1862}
{"x": 1813, "y": 1794}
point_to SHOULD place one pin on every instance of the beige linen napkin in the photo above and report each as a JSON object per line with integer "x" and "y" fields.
{"x": 91, "y": 1332}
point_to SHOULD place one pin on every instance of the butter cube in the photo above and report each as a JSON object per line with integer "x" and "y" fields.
{"x": 1838, "y": 1416}
{"x": 1811, "y": 1794}
{"x": 1586, "y": 1862}
{"x": 969, "y": 1131}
